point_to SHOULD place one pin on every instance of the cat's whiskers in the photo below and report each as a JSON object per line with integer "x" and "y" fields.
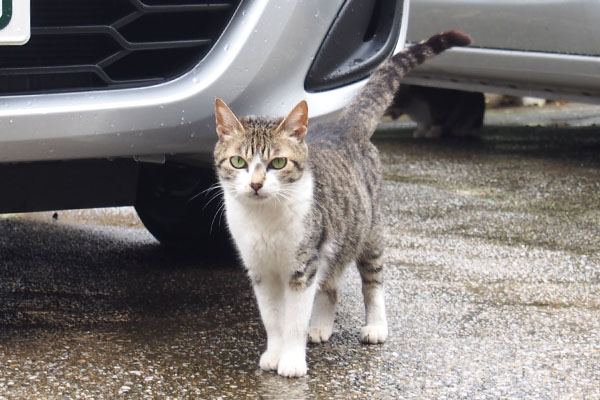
{"x": 219, "y": 211}
{"x": 219, "y": 194}
{"x": 214, "y": 186}
{"x": 230, "y": 188}
{"x": 281, "y": 196}
{"x": 286, "y": 193}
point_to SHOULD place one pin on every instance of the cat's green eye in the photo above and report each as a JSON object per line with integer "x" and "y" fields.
{"x": 278, "y": 163}
{"x": 237, "y": 162}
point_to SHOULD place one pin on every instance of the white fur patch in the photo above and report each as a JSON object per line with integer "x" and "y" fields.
{"x": 376, "y": 330}
{"x": 267, "y": 232}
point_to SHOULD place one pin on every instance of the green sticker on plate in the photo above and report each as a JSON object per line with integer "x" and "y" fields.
{"x": 6, "y": 13}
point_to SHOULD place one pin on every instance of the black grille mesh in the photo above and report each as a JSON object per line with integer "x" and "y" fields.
{"x": 101, "y": 44}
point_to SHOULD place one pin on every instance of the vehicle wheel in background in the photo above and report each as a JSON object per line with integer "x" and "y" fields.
{"x": 179, "y": 205}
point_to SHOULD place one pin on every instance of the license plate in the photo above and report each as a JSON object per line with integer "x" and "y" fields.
{"x": 14, "y": 22}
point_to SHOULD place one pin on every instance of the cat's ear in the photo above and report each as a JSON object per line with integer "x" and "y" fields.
{"x": 227, "y": 122}
{"x": 296, "y": 122}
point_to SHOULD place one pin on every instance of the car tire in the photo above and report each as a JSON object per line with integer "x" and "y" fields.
{"x": 182, "y": 208}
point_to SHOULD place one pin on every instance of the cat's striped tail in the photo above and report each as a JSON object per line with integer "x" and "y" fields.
{"x": 361, "y": 116}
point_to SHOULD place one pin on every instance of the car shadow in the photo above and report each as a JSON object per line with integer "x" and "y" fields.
{"x": 63, "y": 275}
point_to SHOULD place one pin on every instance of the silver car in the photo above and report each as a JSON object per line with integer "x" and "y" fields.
{"x": 111, "y": 102}
{"x": 541, "y": 48}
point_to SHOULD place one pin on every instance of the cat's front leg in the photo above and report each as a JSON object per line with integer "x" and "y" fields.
{"x": 299, "y": 298}
{"x": 270, "y": 298}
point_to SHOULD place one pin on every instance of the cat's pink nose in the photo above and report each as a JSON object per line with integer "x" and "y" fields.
{"x": 256, "y": 186}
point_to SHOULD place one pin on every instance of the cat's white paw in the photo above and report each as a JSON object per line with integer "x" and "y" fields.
{"x": 319, "y": 334}
{"x": 269, "y": 360}
{"x": 292, "y": 364}
{"x": 373, "y": 334}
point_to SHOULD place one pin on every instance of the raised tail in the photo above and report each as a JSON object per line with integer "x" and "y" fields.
{"x": 361, "y": 116}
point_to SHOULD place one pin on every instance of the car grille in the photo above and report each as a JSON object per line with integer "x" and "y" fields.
{"x": 102, "y": 44}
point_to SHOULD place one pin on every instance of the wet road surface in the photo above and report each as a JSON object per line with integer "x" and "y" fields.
{"x": 493, "y": 281}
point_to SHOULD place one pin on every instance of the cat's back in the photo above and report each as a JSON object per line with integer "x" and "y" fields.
{"x": 347, "y": 170}
{"x": 332, "y": 147}
{"x": 325, "y": 135}
{"x": 347, "y": 179}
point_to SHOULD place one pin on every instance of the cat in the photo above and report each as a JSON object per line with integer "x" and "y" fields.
{"x": 439, "y": 112}
{"x": 302, "y": 207}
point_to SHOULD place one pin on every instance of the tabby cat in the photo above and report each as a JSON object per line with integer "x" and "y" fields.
{"x": 301, "y": 208}
{"x": 439, "y": 112}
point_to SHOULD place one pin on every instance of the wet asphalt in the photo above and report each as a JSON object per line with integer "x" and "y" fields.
{"x": 492, "y": 274}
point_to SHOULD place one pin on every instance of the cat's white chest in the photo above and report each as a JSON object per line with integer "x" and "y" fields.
{"x": 268, "y": 235}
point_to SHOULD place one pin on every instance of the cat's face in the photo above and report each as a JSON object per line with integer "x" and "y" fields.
{"x": 260, "y": 159}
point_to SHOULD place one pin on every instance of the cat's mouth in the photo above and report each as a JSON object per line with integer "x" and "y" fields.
{"x": 256, "y": 196}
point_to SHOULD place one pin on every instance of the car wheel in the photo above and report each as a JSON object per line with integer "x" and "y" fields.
{"x": 181, "y": 206}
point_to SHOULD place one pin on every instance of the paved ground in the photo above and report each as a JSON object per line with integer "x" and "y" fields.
{"x": 493, "y": 278}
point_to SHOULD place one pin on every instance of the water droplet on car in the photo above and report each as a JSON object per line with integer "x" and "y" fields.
{"x": 226, "y": 47}
{"x": 10, "y": 121}
{"x": 162, "y": 124}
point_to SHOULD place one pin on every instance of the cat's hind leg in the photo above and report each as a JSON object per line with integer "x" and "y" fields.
{"x": 321, "y": 320}
{"x": 371, "y": 271}
{"x": 323, "y": 312}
